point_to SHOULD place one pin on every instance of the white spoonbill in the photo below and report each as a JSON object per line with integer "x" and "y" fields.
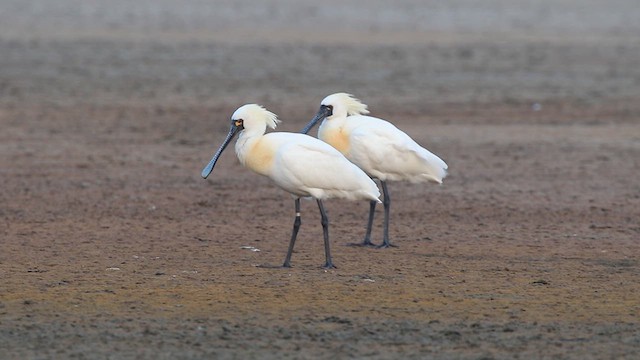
{"x": 300, "y": 164}
{"x": 379, "y": 148}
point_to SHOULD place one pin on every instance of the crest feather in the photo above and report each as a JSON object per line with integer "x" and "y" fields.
{"x": 270, "y": 118}
{"x": 256, "y": 111}
{"x": 354, "y": 106}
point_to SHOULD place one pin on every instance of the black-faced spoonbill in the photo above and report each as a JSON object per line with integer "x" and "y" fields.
{"x": 300, "y": 164}
{"x": 379, "y": 148}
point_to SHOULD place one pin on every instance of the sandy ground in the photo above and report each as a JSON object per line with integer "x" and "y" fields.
{"x": 112, "y": 246}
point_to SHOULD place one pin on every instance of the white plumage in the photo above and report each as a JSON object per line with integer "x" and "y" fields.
{"x": 378, "y": 147}
{"x": 300, "y": 164}
{"x": 384, "y": 151}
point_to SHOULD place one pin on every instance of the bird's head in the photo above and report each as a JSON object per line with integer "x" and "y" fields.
{"x": 338, "y": 105}
{"x": 250, "y": 118}
{"x": 253, "y": 118}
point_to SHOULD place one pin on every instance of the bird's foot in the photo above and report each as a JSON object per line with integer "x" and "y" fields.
{"x": 329, "y": 265}
{"x": 268, "y": 266}
{"x": 365, "y": 243}
{"x": 386, "y": 245}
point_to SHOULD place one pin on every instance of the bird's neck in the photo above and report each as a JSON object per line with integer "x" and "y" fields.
{"x": 335, "y": 134}
{"x": 256, "y": 153}
{"x": 333, "y": 124}
{"x": 245, "y": 143}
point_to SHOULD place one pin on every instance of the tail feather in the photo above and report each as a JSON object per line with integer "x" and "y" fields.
{"x": 437, "y": 168}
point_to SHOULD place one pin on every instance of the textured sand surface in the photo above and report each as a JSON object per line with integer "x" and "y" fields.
{"x": 112, "y": 246}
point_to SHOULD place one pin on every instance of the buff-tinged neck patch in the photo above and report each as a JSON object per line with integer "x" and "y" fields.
{"x": 336, "y": 137}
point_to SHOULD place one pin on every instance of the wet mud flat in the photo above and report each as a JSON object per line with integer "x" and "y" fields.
{"x": 112, "y": 246}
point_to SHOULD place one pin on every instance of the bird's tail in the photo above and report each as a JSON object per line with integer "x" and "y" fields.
{"x": 436, "y": 167}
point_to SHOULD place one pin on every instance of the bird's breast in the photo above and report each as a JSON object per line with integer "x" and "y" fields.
{"x": 259, "y": 157}
{"x": 337, "y": 137}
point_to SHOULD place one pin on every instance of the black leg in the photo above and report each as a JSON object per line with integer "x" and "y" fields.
{"x": 372, "y": 212}
{"x": 367, "y": 236}
{"x": 387, "y": 208}
{"x": 325, "y": 230}
{"x": 294, "y": 234}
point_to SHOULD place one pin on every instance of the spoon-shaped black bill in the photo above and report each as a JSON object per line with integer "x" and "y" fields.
{"x": 209, "y": 168}
{"x": 322, "y": 113}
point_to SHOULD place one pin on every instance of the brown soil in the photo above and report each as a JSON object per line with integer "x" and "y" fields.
{"x": 112, "y": 246}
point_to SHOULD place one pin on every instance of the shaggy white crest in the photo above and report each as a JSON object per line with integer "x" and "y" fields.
{"x": 353, "y": 105}
{"x": 255, "y": 112}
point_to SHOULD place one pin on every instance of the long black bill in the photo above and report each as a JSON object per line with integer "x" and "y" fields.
{"x": 209, "y": 168}
{"x": 322, "y": 113}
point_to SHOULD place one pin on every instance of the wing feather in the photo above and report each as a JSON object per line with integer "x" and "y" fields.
{"x": 310, "y": 167}
{"x": 386, "y": 152}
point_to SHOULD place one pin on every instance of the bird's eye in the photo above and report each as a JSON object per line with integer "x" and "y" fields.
{"x": 239, "y": 122}
{"x": 330, "y": 107}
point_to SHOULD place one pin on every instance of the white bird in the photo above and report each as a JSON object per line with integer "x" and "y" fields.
{"x": 300, "y": 164}
{"x": 379, "y": 148}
